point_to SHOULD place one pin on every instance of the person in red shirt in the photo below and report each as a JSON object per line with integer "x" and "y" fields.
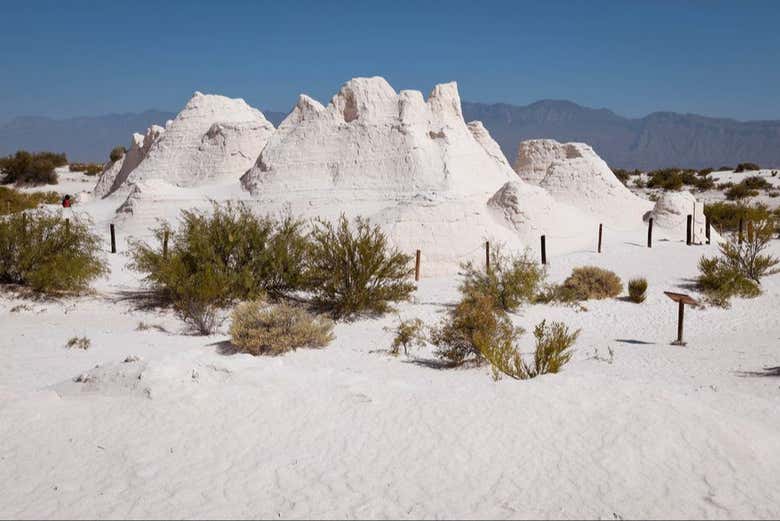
{"x": 66, "y": 202}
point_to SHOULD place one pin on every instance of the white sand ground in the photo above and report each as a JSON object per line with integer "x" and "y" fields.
{"x": 351, "y": 431}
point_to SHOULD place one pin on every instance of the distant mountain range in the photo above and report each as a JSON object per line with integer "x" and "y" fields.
{"x": 661, "y": 139}
{"x": 658, "y": 140}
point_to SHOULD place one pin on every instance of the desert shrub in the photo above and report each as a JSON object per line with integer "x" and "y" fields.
{"x": 725, "y": 169}
{"x": 667, "y": 179}
{"x": 48, "y": 254}
{"x": 86, "y": 168}
{"x": 552, "y": 352}
{"x": 639, "y": 183}
{"x": 622, "y": 175}
{"x": 258, "y": 329}
{"x": 12, "y": 201}
{"x": 746, "y": 167}
{"x": 756, "y": 182}
{"x": 637, "y": 289}
{"x": 740, "y": 267}
{"x": 725, "y": 216}
{"x": 704, "y": 172}
{"x": 214, "y": 260}
{"x": 117, "y": 153}
{"x": 739, "y": 191}
{"x": 352, "y": 269}
{"x": 724, "y": 186}
{"x": 31, "y": 168}
{"x": 590, "y": 282}
{"x": 472, "y": 328}
{"x": 511, "y": 281}
{"x": 704, "y": 183}
{"x": 408, "y": 333}
{"x": 76, "y": 342}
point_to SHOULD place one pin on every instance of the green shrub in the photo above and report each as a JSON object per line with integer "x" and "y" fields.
{"x": 756, "y": 182}
{"x": 512, "y": 280}
{"x": 704, "y": 183}
{"x": 352, "y": 269}
{"x": 725, "y": 216}
{"x": 407, "y": 334}
{"x": 639, "y": 183}
{"x": 591, "y": 282}
{"x": 259, "y": 329}
{"x": 12, "y": 201}
{"x": 746, "y": 167}
{"x": 48, "y": 254}
{"x": 31, "y": 168}
{"x": 740, "y": 267}
{"x": 704, "y": 172}
{"x": 725, "y": 169}
{"x": 637, "y": 289}
{"x": 214, "y": 260}
{"x": 667, "y": 179}
{"x": 117, "y": 153}
{"x": 740, "y": 191}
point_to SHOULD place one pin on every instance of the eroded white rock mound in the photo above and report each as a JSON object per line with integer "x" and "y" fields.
{"x": 213, "y": 139}
{"x": 115, "y": 174}
{"x": 574, "y": 174}
{"x": 671, "y": 213}
{"x": 378, "y": 143}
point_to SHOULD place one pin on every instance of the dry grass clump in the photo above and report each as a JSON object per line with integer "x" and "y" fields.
{"x": 408, "y": 333}
{"x": 637, "y": 290}
{"x": 590, "y": 282}
{"x": 259, "y": 329}
{"x": 76, "y": 342}
{"x": 13, "y": 201}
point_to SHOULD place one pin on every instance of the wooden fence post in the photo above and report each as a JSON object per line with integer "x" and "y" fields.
{"x": 650, "y": 233}
{"x": 113, "y": 238}
{"x": 544, "y": 250}
{"x": 601, "y": 226}
{"x": 417, "y": 266}
{"x": 741, "y": 229}
{"x": 707, "y": 228}
{"x": 487, "y": 256}
{"x": 165, "y": 244}
{"x": 689, "y": 230}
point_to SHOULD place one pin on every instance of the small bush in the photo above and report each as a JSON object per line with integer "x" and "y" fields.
{"x": 117, "y": 153}
{"x": 44, "y": 252}
{"x": 746, "y": 167}
{"x": 756, "y": 182}
{"x": 87, "y": 168}
{"x": 704, "y": 183}
{"x": 740, "y": 267}
{"x": 12, "y": 201}
{"x": 31, "y": 168}
{"x": 408, "y": 333}
{"x": 725, "y": 216}
{"x": 667, "y": 179}
{"x": 639, "y": 183}
{"x": 637, "y": 289}
{"x": 258, "y": 329}
{"x": 704, "y": 172}
{"x": 740, "y": 191}
{"x": 512, "y": 280}
{"x": 591, "y": 282}
{"x": 82, "y": 343}
{"x": 463, "y": 335}
{"x": 352, "y": 269}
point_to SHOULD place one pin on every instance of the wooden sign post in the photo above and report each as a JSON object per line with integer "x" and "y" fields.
{"x": 681, "y": 299}
{"x": 650, "y": 233}
{"x": 417, "y": 266}
{"x": 601, "y": 227}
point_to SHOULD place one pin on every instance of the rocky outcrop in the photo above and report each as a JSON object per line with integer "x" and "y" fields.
{"x": 116, "y": 173}
{"x": 372, "y": 140}
{"x": 574, "y": 174}
{"x": 213, "y": 139}
{"x": 671, "y": 212}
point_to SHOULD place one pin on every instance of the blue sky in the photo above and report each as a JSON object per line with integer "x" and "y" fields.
{"x": 75, "y": 57}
